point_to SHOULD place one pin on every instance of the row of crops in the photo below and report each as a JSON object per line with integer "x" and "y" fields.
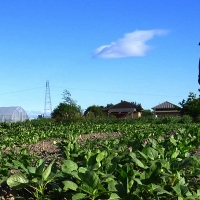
{"x": 150, "y": 160}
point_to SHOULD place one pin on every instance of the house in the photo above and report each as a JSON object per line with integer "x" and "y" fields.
{"x": 125, "y": 109}
{"x": 166, "y": 109}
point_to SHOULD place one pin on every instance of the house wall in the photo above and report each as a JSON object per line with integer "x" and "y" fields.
{"x": 133, "y": 115}
{"x": 161, "y": 114}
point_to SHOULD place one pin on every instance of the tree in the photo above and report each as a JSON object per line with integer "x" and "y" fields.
{"x": 191, "y": 106}
{"x": 138, "y": 106}
{"x": 147, "y": 113}
{"x": 68, "y": 109}
{"x": 67, "y": 98}
{"x": 108, "y": 105}
{"x": 95, "y": 111}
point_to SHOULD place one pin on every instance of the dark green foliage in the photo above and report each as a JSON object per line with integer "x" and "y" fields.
{"x": 146, "y": 161}
{"x": 138, "y": 106}
{"x": 147, "y": 113}
{"x": 191, "y": 106}
{"x": 95, "y": 111}
{"x": 67, "y": 98}
{"x": 68, "y": 110}
{"x": 65, "y": 111}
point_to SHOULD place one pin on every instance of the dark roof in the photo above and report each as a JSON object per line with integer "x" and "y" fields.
{"x": 165, "y": 105}
{"x": 124, "y": 106}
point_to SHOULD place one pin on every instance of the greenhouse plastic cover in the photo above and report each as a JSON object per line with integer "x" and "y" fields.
{"x": 13, "y": 114}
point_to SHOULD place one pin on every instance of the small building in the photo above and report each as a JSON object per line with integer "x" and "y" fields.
{"x": 166, "y": 109}
{"x": 13, "y": 114}
{"x": 125, "y": 109}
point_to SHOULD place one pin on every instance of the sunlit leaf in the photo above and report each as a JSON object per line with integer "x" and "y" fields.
{"x": 17, "y": 180}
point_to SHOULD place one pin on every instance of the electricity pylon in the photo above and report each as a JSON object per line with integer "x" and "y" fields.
{"x": 47, "y": 105}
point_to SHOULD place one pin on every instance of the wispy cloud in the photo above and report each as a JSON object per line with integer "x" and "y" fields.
{"x": 131, "y": 45}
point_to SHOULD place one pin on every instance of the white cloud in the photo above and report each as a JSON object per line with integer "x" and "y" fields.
{"x": 131, "y": 45}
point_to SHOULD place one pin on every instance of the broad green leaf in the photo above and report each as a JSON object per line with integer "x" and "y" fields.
{"x": 153, "y": 171}
{"x": 174, "y": 166}
{"x": 175, "y": 154}
{"x": 82, "y": 170}
{"x": 101, "y": 188}
{"x": 79, "y": 196}
{"x": 123, "y": 174}
{"x": 19, "y": 164}
{"x": 116, "y": 159}
{"x": 138, "y": 181}
{"x": 40, "y": 161}
{"x": 47, "y": 171}
{"x": 132, "y": 155}
{"x": 181, "y": 190}
{"x": 153, "y": 142}
{"x": 40, "y": 168}
{"x": 139, "y": 163}
{"x": 17, "y": 180}
{"x": 196, "y": 172}
{"x": 152, "y": 153}
{"x": 184, "y": 190}
{"x": 111, "y": 168}
{"x": 91, "y": 179}
{"x": 92, "y": 159}
{"x": 76, "y": 175}
{"x": 143, "y": 155}
{"x": 185, "y": 163}
{"x": 114, "y": 196}
{"x": 31, "y": 170}
{"x": 35, "y": 180}
{"x": 159, "y": 190}
{"x": 173, "y": 141}
{"x": 69, "y": 166}
{"x": 69, "y": 185}
{"x": 86, "y": 188}
{"x": 112, "y": 186}
{"x": 198, "y": 192}
{"x": 101, "y": 156}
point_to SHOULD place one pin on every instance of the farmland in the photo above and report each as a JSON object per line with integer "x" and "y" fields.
{"x": 100, "y": 159}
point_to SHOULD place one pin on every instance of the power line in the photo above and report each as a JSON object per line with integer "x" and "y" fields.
{"x": 21, "y": 90}
{"x": 118, "y": 92}
{"x": 103, "y": 91}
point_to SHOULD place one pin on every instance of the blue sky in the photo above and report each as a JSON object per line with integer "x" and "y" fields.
{"x": 101, "y": 51}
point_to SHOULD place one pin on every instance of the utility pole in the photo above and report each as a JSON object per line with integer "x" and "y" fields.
{"x": 47, "y": 105}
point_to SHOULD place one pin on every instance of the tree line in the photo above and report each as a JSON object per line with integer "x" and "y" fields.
{"x": 69, "y": 109}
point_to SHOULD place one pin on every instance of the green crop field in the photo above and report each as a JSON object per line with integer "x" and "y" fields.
{"x": 100, "y": 159}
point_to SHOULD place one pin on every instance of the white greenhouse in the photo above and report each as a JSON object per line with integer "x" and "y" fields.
{"x": 13, "y": 114}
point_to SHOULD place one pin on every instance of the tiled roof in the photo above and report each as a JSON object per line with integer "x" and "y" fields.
{"x": 123, "y": 104}
{"x": 165, "y": 105}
